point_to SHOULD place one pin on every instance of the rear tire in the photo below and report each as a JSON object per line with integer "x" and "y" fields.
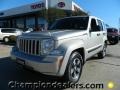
{"x": 74, "y": 68}
{"x": 102, "y": 54}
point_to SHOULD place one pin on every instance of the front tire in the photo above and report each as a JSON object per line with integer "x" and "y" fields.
{"x": 102, "y": 54}
{"x": 74, "y": 68}
{"x": 114, "y": 41}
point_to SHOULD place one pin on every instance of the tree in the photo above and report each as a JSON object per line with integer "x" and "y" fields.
{"x": 79, "y": 13}
{"x": 52, "y": 14}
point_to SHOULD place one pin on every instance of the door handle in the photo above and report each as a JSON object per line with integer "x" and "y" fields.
{"x": 104, "y": 33}
{"x": 98, "y": 34}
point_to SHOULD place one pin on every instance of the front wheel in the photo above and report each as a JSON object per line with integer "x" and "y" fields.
{"x": 74, "y": 68}
{"x": 114, "y": 41}
{"x": 102, "y": 54}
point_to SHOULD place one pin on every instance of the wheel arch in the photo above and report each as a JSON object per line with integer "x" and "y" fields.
{"x": 64, "y": 65}
{"x": 81, "y": 51}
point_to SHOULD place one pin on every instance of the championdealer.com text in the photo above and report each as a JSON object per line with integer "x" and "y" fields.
{"x": 39, "y": 84}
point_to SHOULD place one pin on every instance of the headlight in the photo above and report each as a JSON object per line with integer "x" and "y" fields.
{"x": 47, "y": 45}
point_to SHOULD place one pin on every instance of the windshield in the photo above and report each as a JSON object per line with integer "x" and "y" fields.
{"x": 74, "y": 23}
{"x": 112, "y": 30}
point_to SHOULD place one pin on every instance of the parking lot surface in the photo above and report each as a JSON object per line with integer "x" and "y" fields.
{"x": 94, "y": 71}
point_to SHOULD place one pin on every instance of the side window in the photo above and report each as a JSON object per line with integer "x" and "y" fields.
{"x": 100, "y": 25}
{"x": 104, "y": 26}
{"x": 7, "y": 30}
{"x": 93, "y": 25}
{"x": 3, "y": 30}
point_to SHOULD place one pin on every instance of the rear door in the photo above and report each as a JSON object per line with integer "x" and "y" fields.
{"x": 101, "y": 32}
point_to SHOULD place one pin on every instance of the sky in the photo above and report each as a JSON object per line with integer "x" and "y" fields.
{"x": 107, "y": 10}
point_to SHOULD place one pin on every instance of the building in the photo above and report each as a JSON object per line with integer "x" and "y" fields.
{"x": 27, "y": 16}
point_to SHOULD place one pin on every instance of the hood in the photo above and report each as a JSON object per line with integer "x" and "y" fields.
{"x": 56, "y": 34}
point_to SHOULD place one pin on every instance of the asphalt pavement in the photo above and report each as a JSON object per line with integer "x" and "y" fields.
{"x": 95, "y": 71}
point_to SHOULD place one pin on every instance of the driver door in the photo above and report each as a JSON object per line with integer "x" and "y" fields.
{"x": 94, "y": 37}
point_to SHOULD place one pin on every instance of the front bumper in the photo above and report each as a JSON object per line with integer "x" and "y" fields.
{"x": 49, "y": 65}
{"x": 113, "y": 38}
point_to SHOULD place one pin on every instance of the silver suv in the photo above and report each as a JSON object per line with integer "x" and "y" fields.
{"x": 5, "y": 33}
{"x": 64, "y": 48}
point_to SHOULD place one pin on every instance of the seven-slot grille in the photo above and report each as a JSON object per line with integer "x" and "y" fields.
{"x": 29, "y": 46}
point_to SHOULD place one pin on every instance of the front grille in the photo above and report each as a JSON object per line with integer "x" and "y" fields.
{"x": 29, "y": 46}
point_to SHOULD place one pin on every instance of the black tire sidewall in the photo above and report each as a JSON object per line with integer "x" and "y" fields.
{"x": 68, "y": 75}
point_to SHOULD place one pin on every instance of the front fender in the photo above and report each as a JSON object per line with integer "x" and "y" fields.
{"x": 69, "y": 47}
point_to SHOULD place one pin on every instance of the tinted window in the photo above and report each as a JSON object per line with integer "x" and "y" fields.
{"x": 30, "y": 22}
{"x": 76, "y": 23}
{"x": 8, "y": 30}
{"x": 20, "y": 23}
{"x": 93, "y": 25}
